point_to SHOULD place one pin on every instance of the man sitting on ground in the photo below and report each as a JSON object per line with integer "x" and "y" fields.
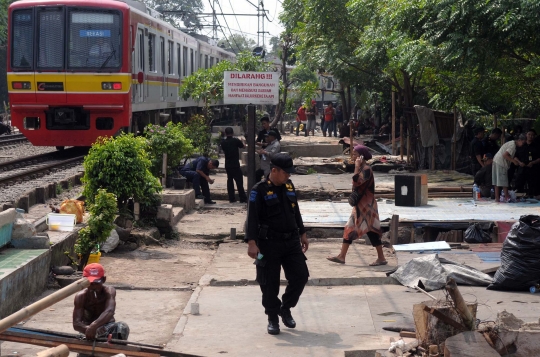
{"x": 95, "y": 306}
{"x": 198, "y": 173}
{"x": 484, "y": 175}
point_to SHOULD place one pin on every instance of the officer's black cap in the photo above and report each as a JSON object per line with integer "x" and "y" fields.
{"x": 284, "y": 162}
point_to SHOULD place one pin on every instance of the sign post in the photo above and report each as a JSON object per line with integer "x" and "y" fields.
{"x": 251, "y": 132}
{"x": 251, "y": 88}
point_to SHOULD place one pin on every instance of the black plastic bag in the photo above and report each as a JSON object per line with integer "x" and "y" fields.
{"x": 520, "y": 256}
{"x": 475, "y": 234}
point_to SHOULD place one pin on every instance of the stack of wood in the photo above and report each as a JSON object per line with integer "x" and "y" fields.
{"x": 455, "y": 236}
{"x": 443, "y": 328}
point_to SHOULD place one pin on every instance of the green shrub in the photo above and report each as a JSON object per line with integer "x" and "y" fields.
{"x": 198, "y": 131}
{"x": 171, "y": 140}
{"x": 100, "y": 224}
{"x": 121, "y": 166}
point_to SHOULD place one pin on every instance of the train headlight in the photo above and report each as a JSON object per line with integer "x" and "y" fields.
{"x": 111, "y": 85}
{"x": 21, "y": 85}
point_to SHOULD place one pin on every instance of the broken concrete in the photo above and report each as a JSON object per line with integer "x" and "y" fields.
{"x": 468, "y": 344}
{"x": 516, "y": 337}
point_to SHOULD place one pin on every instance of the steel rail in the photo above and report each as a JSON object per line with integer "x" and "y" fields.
{"x": 39, "y": 170}
{"x": 41, "y": 157}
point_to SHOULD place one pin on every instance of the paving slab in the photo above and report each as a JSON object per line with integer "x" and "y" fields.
{"x": 151, "y": 316}
{"x": 330, "y": 320}
{"x": 214, "y": 222}
{"x": 324, "y": 326}
{"x": 232, "y": 265}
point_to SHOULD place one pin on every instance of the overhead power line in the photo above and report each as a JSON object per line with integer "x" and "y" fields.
{"x": 232, "y": 37}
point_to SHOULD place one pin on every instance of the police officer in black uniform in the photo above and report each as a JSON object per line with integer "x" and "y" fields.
{"x": 276, "y": 237}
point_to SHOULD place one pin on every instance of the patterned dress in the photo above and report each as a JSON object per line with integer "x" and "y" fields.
{"x": 365, "y": 215}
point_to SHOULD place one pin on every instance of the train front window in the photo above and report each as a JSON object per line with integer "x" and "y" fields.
{"x": 22, "y": 51}
{"x": 94, "y": 39}
{"x": 50, "y": 52}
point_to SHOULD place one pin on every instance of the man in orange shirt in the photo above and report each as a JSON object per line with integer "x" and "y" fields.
{"x": 329, "y": 114}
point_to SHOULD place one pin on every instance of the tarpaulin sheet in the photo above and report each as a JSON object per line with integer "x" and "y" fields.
{"x": 428, "y": 126}
{"x": 433, "y": 272}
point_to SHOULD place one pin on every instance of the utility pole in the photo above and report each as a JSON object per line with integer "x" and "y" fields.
{"x": 214, "y": 20}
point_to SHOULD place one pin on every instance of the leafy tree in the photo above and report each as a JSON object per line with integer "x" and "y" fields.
{"x": 275, "y": 46}
{"x": 122, "y": 167}
{"x": 237, "y": 43}
{"x": 199, "y": 133}
{"x": 186, "y": 12}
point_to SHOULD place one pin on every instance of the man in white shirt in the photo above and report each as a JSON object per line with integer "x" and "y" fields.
{"x": 501, "y": 164}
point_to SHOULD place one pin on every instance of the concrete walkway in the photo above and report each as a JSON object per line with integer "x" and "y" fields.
{"x": 232, "y": 266}
{"x": 330, "y": 320}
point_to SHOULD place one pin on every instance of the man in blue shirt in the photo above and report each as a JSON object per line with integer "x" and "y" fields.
{"x": 198, "y": 173}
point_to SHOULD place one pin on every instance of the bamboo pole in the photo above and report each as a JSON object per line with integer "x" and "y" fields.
{"x": 351, "y": 136}
{"x": 393, "y": 123}
{"x": 461, "y": 305}
{"x": 42, "y": 304}
{"x": 401, "y": 142}
{"x": 58, "y": 351}
{"x": 454, "y": 141}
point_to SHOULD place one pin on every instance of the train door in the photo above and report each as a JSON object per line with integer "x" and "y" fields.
{"x": 171, "y": 96}
{"x": 139, "y": 67}
{"x": 162, "y": 68}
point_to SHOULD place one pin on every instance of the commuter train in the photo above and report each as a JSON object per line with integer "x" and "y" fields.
{"x": 79, "y": 69}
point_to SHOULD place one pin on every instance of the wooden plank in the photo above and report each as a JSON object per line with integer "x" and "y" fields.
{"x": 447, "y": 320}
{"x": 394, "y": 227}
{"x": 407, "y": 334}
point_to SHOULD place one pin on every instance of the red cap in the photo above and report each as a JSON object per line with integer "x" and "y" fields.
{"x": 93, "y": 272}
{"x": 313, "y": 102}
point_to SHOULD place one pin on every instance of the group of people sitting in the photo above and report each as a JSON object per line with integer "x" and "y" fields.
{"x": 515, "y": 164}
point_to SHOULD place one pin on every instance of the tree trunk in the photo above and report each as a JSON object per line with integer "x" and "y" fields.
{"x": 283, "y": 102}
{"x": 349, "y": 106}
{"x": 407, "y": 90}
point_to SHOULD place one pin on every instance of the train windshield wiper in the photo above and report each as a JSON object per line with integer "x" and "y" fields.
{"x": 113, "y": 53}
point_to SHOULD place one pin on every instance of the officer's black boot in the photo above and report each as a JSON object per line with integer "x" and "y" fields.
{"x": 273, "y": 325}
{"x": 287, "y": 318}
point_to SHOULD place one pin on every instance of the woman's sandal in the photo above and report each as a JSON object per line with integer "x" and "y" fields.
{"x": 336, "y": 260}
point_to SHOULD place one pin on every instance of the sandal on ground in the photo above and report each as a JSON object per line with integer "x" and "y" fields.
{"x": 377, "y": 263}
{"x": 336, "y": 260}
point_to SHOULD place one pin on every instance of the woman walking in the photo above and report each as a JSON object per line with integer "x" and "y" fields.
{"x": 364, "y": 218}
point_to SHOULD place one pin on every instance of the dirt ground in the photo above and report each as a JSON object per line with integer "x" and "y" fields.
{"x": 177, "y": 264}
{"x": 150, "y": 322}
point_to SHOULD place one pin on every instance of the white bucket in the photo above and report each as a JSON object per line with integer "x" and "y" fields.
{"x": 61, "y": 221}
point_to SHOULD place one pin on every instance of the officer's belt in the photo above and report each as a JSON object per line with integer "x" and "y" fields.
{"x": 273, "y": 235}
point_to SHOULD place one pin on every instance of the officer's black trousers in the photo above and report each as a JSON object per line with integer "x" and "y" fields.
{"x": 288, "y": 254}
{"x": 234, "y": 174}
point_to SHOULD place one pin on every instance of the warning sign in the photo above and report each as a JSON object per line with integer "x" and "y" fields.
{"x": 251, "y": 88}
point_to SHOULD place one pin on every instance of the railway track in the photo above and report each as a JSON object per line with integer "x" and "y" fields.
{"x": 33, "y": 167}
{"x": 12, "y": 139}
